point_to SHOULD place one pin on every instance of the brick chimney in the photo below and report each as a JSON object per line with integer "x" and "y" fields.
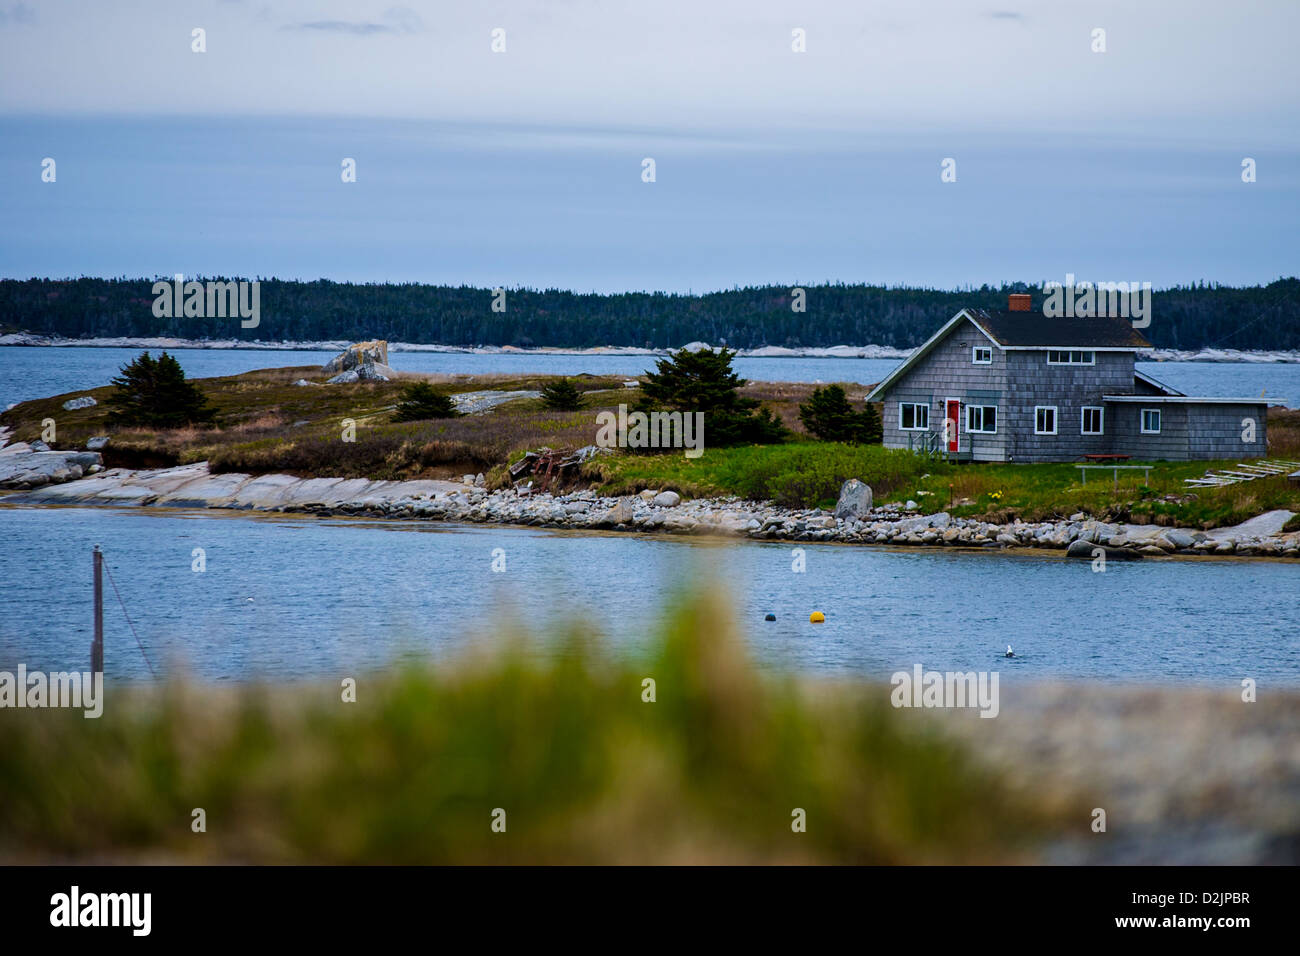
{"x": 1019, "y": 302}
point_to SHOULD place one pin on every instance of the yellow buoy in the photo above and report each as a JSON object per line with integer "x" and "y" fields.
{"x": 816, "y": 617}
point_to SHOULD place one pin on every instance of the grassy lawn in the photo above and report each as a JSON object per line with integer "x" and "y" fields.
{"x": 798, "y": 474}
{"x": 586, "y": 770}
{"x": 1045, "y": 491}
{"x": 809, "y": 474}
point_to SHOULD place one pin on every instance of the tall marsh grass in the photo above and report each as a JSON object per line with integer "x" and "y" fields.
{"x": 562, "y": 741}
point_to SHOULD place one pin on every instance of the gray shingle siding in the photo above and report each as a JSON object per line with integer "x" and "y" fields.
{"x": 1191, "y": 431}
{"x": 1017, "y": 381}
{"x": 1069, "y": 388}
{"x": 948, "y": 372}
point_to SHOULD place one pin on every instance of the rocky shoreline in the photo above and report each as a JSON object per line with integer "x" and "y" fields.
{"x": 193, "y": 486}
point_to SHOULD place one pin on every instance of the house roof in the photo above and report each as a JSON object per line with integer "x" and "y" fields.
{"x": 1037, "y": 331}
{"x": 1164, "y": 389}
{"x": 1026, "y": 330}
{"x": 1189, "y": 399}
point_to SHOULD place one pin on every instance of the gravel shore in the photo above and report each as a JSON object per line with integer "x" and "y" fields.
{"x": 193, "y": 486}
{"x": 1186, "y": 775}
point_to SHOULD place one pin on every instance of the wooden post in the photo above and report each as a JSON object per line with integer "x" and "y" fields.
{"x": 97, "y": 644}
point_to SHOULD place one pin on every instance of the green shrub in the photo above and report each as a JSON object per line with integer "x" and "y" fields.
{"x": 420, "y": 400}
{"x": 562, "y": 396}
{"x": 154, "y": 393}
{"x": 704, "y": 382}
{"x": 828, "y": 415}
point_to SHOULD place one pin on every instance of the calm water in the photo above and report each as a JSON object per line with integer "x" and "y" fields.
{"x": 27, "y": 373}
{"x": 336, "y": 597}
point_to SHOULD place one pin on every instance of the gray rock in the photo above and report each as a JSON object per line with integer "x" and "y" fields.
{"x": 666, "y": 499}
{"x": 855, "y": 500}
{"x": 85, "y": 401}
{"x": 368, "y": 372}
{"x": 24, "y": 466}
{"x": 1269, "y": 523}
{"x": 1180, "y": 537}
{"x": 96, "y": 443}
{"x": 621, "y": 513}
{"x": 1084, "y": 550}
{"x": 374, "y": 352}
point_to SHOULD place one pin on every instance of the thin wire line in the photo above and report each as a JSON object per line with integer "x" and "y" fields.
{"x": 128, "y": 619}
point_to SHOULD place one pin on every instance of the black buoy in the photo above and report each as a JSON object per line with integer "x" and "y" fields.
{"x": 770, "y": 617}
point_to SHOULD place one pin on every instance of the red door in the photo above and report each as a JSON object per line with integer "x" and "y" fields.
{"x": 950, "y": 426}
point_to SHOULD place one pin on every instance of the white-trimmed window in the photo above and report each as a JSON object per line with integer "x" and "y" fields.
{"x": 982, "y": 419}
{"x": 1150, "y": 421}
{"x": 1092, "y": 420}
{"x": 981, "y": 355}
{"x": 1044, "y": 419}
{"x": 1070, "y": 357}
{"x": 913, "y": 416}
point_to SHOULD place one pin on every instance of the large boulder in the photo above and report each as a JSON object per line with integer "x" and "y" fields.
{"x": 85, "y": 401}
{"x": 374, "y": 352}
{"x": 23, "y": 467}
{"x": 855, "y": 500}
{"x": 621, "y": 513}
{"x": 666, "y": 499}
{"x": 1084, "y": 550}
{"x": 365, "y": 372}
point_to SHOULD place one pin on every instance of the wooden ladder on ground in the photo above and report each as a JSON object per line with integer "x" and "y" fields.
{"x": 1269, "y": 468}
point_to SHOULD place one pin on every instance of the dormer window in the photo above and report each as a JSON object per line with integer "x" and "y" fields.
{"x": 981, "y": 355}
{"x": 1075, "y": 357}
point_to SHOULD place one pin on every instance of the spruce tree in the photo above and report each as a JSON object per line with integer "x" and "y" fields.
{"x": 562, "y": 396}
{"x": 154, "y": 393}
{"x": 704, "y": 382}
{"x": 420, "y": 400}
{"x": 828, "y": 415}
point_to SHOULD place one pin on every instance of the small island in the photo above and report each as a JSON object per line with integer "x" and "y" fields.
{"x": 781, "y": 460}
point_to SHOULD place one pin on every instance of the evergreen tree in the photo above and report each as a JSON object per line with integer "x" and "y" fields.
{"x": 562, "y": 396}
{"x": 420, "y": 400}
{"x": 704, "y": 382}
{"x": 154, "y": 393}
{"x": 828, "y": 415}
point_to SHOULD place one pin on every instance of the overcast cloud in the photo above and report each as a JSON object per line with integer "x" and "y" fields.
{"x": 524, "y": 167}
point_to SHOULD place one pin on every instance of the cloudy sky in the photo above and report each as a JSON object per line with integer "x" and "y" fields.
{"x": 524, "y": 167}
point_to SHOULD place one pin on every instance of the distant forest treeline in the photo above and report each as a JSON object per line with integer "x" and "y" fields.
{"x": 1184, "y": 317}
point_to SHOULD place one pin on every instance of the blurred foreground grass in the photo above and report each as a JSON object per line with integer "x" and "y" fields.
{"x": 586, "y": 771}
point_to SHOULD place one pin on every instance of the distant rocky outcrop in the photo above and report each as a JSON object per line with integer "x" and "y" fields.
{"x": 366, "y": 372}
{"x": 362, "y": 362}
{"x": 85, "y": 401}
{"x": 374, "y": 352}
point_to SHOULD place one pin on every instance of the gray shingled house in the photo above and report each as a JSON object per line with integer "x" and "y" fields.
{"x": 1020, "y": 386}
